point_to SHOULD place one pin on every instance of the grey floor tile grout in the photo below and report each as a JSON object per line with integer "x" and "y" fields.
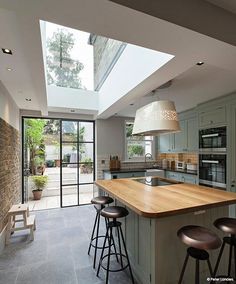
{"x": 58, "y": 253}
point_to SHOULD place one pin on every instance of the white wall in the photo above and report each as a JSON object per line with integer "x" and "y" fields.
{"x": 110, "y": 136}
{"x": 8, "y": 109}
{"x": 72, "y": 98}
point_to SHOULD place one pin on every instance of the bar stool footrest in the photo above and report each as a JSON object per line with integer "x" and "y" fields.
{"x": 94, "y": 246}
{"x": 114, "y": 270}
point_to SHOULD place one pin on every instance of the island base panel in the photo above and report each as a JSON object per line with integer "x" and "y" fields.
{"x": 157, "y": 254}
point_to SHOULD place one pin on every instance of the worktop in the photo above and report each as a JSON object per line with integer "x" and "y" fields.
{"x": 131, "y": 170}
{"x": 161, "y": 201}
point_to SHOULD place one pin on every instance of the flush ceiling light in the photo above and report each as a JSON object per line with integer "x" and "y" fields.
{"x": 200, "y": 63}
{"x": 6, "y": 50}
{"x": 9, "y": 69}
{"x": 156, "y": 118}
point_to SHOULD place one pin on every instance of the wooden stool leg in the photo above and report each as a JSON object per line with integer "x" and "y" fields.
{"x": 34, "y": 225}
{"x": 14, "y": 221}
{"x": 8, "y": 233}
{"x": 32, "y": 233}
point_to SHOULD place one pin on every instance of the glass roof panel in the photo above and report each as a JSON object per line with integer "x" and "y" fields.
{"x": 69, "y": 58}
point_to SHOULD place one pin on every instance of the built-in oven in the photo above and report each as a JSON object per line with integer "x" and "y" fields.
{"x": 212, "y": 170}
{"x": 212, "y": 139}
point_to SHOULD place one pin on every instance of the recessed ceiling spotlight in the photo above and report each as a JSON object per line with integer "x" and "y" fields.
{"x": 72, "y": 110}
{"x": 6, "y": 50}
{"x": 9, "y": 69}
{"x": 28, "y": 99}
{"x": 200, "y": 63}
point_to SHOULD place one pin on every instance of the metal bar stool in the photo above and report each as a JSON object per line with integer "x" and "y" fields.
{"x": 99, "y": 203}
{"x": 114, "y": 212}
{"x": 228, "y": 226}
{"x": 199, "y": 239}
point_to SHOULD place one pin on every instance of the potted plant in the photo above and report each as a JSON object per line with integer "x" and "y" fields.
{"x": 40, "y": 165}
{"x": 87, "y": 167}
{"x": 39, "y": 182}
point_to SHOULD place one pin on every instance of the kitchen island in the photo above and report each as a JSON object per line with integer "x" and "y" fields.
{"x": 156, "y": 214}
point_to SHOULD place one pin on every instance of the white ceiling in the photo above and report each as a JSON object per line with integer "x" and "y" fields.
{"x": 19, "y": 29}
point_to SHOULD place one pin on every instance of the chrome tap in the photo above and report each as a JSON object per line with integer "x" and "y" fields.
{"x": 148, "y": 155}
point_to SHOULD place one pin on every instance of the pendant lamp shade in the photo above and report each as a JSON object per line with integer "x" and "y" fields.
{"x": 156, "y": 118}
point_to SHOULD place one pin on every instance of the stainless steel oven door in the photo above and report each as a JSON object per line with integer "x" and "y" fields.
{"x": 212, "y": 170}
{"x": 212, "y": 139}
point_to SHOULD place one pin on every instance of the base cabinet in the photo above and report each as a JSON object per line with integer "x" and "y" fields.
{"x": 187, "y": 178}
{"x": 156, "y": 253}
{"x": 108, "y": 175}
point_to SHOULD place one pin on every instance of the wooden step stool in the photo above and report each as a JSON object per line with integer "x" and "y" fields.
{"x": 27, "y": 220}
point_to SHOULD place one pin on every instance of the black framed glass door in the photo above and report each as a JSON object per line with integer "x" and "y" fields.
{"x": 77, "y": 171}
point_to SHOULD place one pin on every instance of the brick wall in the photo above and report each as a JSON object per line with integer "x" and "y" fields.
{"x": 105, "y": 50}
{"x": 10, "y": 189}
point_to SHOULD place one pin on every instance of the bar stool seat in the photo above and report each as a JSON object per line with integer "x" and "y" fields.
{"x": 99, "y": 204}
{"x": 114, "y": 212}
{"x": 199, "y": 239}
{"x": 102, "y": 200}
{"x": 228, "y": 226}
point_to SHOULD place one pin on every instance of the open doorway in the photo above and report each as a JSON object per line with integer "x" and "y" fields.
{"x": 58, "y": 162}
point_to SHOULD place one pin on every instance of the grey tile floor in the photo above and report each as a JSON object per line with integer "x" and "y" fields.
{"x": 58, "y": 255}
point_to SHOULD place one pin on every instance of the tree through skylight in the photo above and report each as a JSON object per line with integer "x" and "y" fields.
{"x": 69, "y": 58}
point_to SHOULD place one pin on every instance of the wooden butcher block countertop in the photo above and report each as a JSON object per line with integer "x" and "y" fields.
{"x": 167, "y": 200}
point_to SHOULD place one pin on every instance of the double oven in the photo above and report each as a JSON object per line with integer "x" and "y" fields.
{"x": 212, "y": 157}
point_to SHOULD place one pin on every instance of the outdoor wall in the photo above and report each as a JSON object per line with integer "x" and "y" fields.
{"x": 10, "y": 178}
{"x": 105, "y": 51}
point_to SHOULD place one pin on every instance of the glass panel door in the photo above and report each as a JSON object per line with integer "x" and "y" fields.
{"x": 26, "y": 165}
{"x": 77, "y": 162}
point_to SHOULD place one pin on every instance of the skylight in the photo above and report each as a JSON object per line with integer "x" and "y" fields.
{"x": 69, "y": 58}
{"x": 90, "y": 72}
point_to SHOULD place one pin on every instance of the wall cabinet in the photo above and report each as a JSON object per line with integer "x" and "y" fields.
{"x": 180, "y": 138}
{"x": 212, "y": 116}
{"x": 188, "y": 178}
{"x": 165, "y": 143}
{"x": 184, "y": 141}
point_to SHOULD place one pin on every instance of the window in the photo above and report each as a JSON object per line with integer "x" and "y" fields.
{"x": 137, "y": 146}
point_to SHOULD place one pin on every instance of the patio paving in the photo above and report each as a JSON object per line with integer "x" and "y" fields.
{"x": 51, "y": 194}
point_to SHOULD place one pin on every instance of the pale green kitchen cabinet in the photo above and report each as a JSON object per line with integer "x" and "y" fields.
{"x": 180, "y": 138}
{"x": 192, "y": 134}
{"x": 187, "y": 139}
{"x": 214, "y": 116}
{"x": 165, "y": 143}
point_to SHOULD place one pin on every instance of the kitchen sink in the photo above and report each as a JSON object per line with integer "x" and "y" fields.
{"x": 155, "y": 172}
{"x": 156, "y": 181}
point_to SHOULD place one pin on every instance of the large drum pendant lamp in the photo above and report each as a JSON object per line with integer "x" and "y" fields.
{"x": 156, "y": 118}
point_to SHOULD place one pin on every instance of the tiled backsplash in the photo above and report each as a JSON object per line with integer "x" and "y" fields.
{"x": 103, "y": 162}
{"x": 185, "y": 157}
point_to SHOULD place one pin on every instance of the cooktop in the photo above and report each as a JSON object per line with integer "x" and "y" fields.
{"x": 156, "y": 181}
